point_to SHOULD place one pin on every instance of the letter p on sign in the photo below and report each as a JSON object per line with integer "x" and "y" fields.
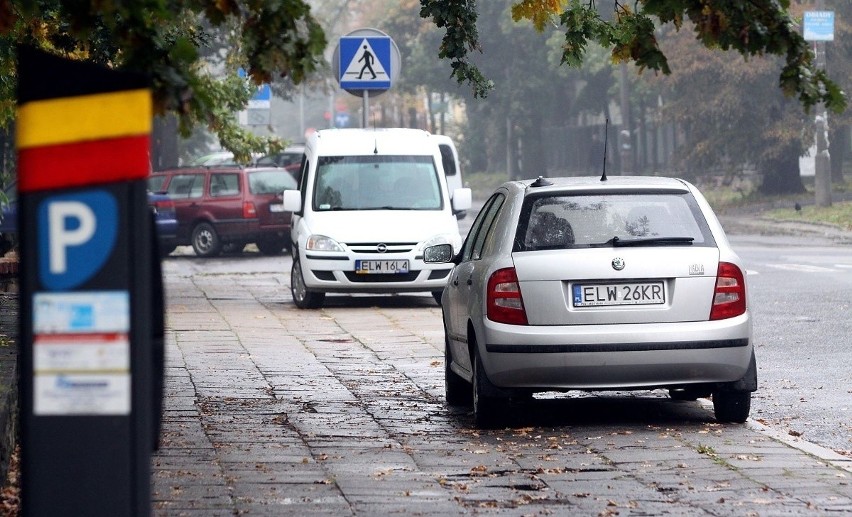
{"x": 76, "y": 236}
{"x": 63, "y": 216}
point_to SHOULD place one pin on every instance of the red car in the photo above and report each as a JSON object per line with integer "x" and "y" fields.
{"x": 227, "y": 207}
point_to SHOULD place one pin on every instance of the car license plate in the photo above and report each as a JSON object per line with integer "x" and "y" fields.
{"x": 375, "y": 267}
{"x": 597, "y": 295}
{"x": 276, "y": 208}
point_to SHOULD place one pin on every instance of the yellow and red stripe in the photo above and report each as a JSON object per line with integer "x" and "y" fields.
{"x": 84, "y": 139}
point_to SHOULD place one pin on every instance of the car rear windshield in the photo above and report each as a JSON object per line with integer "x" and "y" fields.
{"x": 271, "y": 182}
{"x": 601, "y": 220}
{"x": 377, "y": 183}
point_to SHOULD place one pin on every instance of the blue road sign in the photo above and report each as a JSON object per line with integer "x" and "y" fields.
{"x": 76, "y": 235}
{"x": 819, "y": 26}
{"x": 365, "y": 63}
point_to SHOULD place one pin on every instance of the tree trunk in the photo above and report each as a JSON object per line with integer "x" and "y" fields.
{"x": 164, "y": 143}
{"x": 781, "y": 174}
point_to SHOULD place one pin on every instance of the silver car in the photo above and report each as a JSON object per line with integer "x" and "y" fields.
{"x": 596, "y": 284}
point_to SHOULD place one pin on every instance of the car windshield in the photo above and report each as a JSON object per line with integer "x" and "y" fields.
{"x": 271, "y": 182}
{"x": 604, "y": 220}
{"x": 377, "y": 183}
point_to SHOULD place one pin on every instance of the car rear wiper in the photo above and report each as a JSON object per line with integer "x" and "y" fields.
{"x": 652, "y": 241}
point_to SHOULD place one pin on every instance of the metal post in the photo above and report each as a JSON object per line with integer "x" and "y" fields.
{"x": 365, "y": 109}
{"x": 822, "y": 161}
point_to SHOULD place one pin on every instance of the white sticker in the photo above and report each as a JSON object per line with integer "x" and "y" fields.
{"x": 81, "y": 353}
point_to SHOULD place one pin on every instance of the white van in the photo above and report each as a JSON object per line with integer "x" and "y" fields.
{"x": 452, "y": 168}
{"x": 369, "y": 202}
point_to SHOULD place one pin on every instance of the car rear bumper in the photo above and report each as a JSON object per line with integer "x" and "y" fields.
{"x": 622, "y": 356}
{"x": 337, "y": 274}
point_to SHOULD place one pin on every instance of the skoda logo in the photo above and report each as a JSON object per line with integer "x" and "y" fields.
{"x": 618, "y": 263}
{"x": 381, "y": 248}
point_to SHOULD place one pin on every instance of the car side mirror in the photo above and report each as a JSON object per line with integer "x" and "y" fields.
{"x": 438, "y": 254}
{"x": 292, "y": 200}
{"x": 462, "y": 199}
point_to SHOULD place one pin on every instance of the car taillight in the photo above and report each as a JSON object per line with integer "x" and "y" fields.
{"x": 504, "y": 301}
{"x": 249, "y": 211}
{"x": 729, "y": 297}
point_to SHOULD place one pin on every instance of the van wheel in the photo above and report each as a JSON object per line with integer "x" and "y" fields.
{"x": 303, "y": 298}
{"x": 437, "y": 296}
{"x": 205, "y": 240}
{"x": 271, "y": 246}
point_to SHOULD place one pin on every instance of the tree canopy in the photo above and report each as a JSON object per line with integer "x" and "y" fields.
{"x": 751, "y": 27}
{"x": 174, "y": 43}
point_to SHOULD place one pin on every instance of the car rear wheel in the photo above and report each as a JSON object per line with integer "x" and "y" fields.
{"x": 303, "y": 298}
{"x": 205, "y": 240}
{"x": 487, "y": 409}
{"x": 456, "y": 389}
{"x": 731, "y": 406}
{"x": 271, "y": 246}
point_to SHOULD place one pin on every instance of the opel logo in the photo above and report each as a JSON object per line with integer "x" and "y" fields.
{"x": 381, "y": 248}
{"x": 618, "y": 263}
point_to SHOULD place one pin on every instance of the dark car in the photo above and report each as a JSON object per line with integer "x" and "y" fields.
{"x": 9, "y": 223}
{"x": 219, "y": 207}
{"x": 165, "y": 218}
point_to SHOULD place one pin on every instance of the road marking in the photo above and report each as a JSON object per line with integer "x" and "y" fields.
{"x": 803, "y": 268}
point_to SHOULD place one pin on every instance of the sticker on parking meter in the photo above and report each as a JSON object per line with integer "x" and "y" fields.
{"x": 81, "y": 353}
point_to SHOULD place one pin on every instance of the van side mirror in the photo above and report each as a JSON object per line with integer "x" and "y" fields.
{"x": 292, "y": 200}
{"x": 438, "y": 254}
{"x": 462, "y": 199}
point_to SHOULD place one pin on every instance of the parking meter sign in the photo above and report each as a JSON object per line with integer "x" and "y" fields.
{"x": 76, "y": 235}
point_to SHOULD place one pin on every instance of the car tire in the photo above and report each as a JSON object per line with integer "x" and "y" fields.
{"x": 437, "y": 296}
{"x": 457, "y": 391}
{"x": 731, "y": 406}
{"x": 271, "y": 246}
{"x": 302, "y": 297}
{"x": 487, "y": 409}
{"x": 205, "y": 240}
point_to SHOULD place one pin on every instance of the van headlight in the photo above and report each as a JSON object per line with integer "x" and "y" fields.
{"x": 322, "y": 243}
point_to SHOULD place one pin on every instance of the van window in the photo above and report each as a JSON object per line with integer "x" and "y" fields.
{"x": 377, "y": 183}
{"x": 448, "y": 160}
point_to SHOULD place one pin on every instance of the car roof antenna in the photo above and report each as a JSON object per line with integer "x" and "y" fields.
{"x": 606, "y": 136}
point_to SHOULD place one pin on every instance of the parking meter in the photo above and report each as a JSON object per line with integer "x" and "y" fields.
{"x": 90, "y": 357}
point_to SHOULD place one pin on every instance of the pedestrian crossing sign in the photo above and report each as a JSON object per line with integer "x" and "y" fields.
{"x": 365, "y": 63}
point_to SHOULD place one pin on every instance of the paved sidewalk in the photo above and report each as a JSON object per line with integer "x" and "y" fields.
{"x": 275, "y": 411}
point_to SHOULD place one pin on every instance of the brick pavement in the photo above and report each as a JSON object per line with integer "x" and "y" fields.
{"x": 275, "y": 411}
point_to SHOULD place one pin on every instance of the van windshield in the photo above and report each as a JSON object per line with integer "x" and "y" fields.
{"x": 377, "y": 183}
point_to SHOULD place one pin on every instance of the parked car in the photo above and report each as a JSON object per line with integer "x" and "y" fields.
{"x": 370, "y": 201}
{"x": 218, "y": 159}
{"x": 589, "y": 284}
{"x": 165, "y": 218}
{"x": 9, "y": 221}
{"x": 290, "y": 158}
{"x": 220, "y": 207}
